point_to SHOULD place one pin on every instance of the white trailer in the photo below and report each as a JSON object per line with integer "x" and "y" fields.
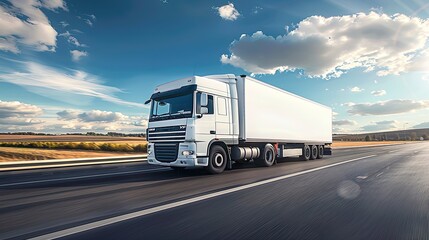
{"x": 216, "y": 120}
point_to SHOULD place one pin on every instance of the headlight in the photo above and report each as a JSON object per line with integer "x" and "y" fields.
{"x": 187, "y": 152}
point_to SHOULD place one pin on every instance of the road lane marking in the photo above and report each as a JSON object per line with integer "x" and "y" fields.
{"x": 84, "y": 177}
{"x": 105, "y": 222}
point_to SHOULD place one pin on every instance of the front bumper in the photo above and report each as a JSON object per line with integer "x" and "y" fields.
{"x": 181, "y": 160}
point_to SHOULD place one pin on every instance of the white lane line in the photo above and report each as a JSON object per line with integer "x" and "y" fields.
{"x": 101, "y": 223}
{"x": 84, "y": 177}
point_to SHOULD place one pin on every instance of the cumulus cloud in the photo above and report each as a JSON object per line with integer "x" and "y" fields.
{"x": 23, "y": 22}
{"x": 386, "y": 107}
{"x": 100, "y": 120}
{"x": 35, "y": 76}
{"x": 344, "y": 122}
{"x": 330, "y": 46}
{"x": 228, "y": 12}
{"x": 18, "y": 113}
{"x": 379, "y": 93}
{"x": 381, "y": 126}
{"x": 77, "y": 55}
{"x": 18, "y": 109}
{"x": 356, "y": 89}
{"x": 102, "y": 116}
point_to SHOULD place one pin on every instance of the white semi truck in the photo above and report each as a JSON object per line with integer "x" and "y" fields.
{"x": 214, "y": 121}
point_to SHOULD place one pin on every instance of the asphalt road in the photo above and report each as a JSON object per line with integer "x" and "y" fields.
{"x": 359, "y": 193}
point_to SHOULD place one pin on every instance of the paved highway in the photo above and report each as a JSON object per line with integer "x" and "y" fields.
{"x": 359, "y": 193}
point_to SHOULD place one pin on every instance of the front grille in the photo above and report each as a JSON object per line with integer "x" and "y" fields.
{"x": 167, "y": 134}
{"x": 166, "y": 152}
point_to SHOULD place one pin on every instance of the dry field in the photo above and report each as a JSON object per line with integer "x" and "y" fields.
{"x": 8, "y": 154}
{"x": 336, "y": 144}
{"x": 20, "y": 153}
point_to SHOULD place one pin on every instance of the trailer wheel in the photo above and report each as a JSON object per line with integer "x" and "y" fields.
{"x": 267, "y": 157}
{"x": 217, "y": 160}
{"x": 306, "y": 153}
{"x": 314, "y": 150}
{"x": 320, "y": 153}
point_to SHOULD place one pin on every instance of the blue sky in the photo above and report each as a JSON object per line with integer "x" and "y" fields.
{"x": 77, "y": 66}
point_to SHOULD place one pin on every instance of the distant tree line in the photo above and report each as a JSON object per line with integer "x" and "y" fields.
{"x": 405, "y": 135}
{"x": 111, "y": 134}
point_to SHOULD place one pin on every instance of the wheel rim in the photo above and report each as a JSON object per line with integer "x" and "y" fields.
{"x": 314, "y": 151}
{"x": 218, "y": 160}
{"x": 307, "y": 152}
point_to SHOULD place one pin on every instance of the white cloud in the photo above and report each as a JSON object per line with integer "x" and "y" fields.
{"x": 344, "y": 122}
{"x": 379, "y": 93}
{"x": 54, "y": 4}
{"x": 19, "y": 114}
{"x": 101, "y": 116}
{"x": 356, "y": 89}
{"x": 77, "y": 55}
{"x": 228, "y": 12}
{"x": 23, "y": 22}
{"x": 89, "y": 22}
{"x": 330, "y": 46}
{"x": 35, "y": 76}
{"x": 18, "y": 109}
{"x": 422, "y": 125}
{"x": 381, "y": 126}
{"x": 386, "y": 107}
{"x": 71, "y": 39}
{"x": 99, "y": 120}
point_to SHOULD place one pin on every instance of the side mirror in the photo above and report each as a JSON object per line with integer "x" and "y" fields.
{"x": 204, "y": 100}
{"x": 204, "y": 110}
{"x": 147, "y": 102}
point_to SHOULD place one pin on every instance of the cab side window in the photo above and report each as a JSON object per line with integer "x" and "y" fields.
{"x": 221, "y": 106}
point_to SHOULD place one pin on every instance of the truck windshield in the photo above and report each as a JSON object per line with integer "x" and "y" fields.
{"x": 172, "y": 107}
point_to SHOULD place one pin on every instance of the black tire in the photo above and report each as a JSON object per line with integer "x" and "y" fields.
{"x": 267, "y": 156}
{"x": 306, "y": 153}
{"x": 217, "y": 160}
{"x": 314, "y": 151}
{"x": 320, "y": 152}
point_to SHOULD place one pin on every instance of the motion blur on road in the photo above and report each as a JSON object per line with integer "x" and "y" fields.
{"x": 358, "y": 193}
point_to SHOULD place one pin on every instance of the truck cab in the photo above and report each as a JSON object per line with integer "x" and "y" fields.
{"x": 189, "y": 115}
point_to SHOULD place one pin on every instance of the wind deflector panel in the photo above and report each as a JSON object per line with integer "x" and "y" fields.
{"x": 175, "y": 92}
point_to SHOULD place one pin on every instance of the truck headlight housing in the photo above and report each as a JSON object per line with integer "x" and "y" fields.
{"x": 187, "y": 152}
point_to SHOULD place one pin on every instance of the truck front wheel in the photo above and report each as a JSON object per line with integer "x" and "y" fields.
{"x": 217, "y": 160}
{"x": 267, "y": 157}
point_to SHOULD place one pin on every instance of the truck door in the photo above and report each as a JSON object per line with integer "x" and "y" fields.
{"x": 205, "y": 124}
{"x": 222, "y": 118}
